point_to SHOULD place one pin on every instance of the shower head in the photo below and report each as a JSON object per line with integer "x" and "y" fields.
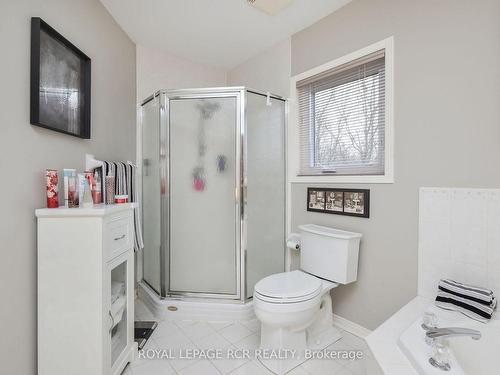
{"x": 207, "y": 109}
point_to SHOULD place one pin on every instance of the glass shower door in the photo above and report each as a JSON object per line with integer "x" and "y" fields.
{"x": 150, "y": 126}
{"x": 204, "y": 222}
{"x": 265, "y": 188}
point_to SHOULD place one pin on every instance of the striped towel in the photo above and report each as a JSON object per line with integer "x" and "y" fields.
{"x": 125, "y": 184}
{"x": 474, "y": 293}
{"x": 134, "y": 197}
{"x": 474, "y": 302}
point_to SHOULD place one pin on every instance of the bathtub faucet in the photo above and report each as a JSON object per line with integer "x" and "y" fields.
{"x": 442, "y": 333}
{"x": 437, "y": 338}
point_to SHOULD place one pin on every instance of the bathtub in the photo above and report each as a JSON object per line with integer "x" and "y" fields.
{"x": 399, "y": 344}
{"x": 468, "y": 356}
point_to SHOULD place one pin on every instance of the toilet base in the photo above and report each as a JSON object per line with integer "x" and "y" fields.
{"x": 318, "y": 335}
{"x": 282, "y": 338}
{"x": 322, "y": 330}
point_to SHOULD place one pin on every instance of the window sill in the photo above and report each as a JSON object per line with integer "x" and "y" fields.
{"x": 342, "y": 179}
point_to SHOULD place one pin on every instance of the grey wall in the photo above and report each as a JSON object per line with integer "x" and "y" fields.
{"x": 269, "y": 71}
{"x": 26, "y": 151}
{"x": 158, "y": 70}
{"x": 447, "y": 132}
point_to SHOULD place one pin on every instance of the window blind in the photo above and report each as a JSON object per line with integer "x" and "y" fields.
{"x": 342, "y": 119}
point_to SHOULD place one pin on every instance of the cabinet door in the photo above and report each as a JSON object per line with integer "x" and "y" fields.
{"x": 119, "y": 311}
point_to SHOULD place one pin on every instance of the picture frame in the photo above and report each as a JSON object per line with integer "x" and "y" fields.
{"x": 334, "y": 201}
{"x": 315, "y": 200}
{"x": 348, "y": 202}
{"x": 60, "y": 78}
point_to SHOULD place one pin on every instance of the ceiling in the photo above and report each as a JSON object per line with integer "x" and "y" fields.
{"x": 221, "y": 33}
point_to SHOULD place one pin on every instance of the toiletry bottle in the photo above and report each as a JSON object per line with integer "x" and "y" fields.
{"x": 72, "y": 191}
{"x": 52, "y": 188}
{"x": 67, "y": 173}
{"x": 90, "y": 178}
{"x": 87, "y": 196}
{"x": 80, "y": 178}
{"x": 96, "y": 189}
{"x": 110, "y": 189}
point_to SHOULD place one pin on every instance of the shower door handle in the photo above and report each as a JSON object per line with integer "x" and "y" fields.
{"x": 241, "y": 193}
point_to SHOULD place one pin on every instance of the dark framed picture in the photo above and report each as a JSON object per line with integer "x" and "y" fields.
{"x": 350, "y": 202}
{"x": 357, "y": 203}
{"x": 334, "y": 201}
{"x": 315, "y": 200}
{"x": 60, "y": 82}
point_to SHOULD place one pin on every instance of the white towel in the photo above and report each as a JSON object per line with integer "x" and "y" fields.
{"x": 117, "y": 290}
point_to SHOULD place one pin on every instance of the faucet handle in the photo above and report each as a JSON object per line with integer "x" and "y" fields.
{"x": 441, "y": 356}
{"x": 429, "y": 321}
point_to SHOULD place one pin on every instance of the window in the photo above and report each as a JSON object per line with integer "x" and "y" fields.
{"x": 343, "y": 125}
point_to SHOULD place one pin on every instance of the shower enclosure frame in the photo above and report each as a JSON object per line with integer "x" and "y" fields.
{"x": 240, "y": 95}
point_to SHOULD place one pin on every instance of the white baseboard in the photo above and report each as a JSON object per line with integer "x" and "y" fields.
{"x": 350, "y": 326}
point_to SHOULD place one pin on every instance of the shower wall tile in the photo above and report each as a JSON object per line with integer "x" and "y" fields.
{"x": 459, "y": 238}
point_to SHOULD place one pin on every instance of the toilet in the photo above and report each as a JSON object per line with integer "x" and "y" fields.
{"x": 295, "y": 308}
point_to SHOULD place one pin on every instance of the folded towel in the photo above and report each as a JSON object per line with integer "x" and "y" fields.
{"x": 475, "y": 310}
{"x": 474, "y": 293}
{"x": 117, "y": 290}
{"x": 134, "y": 197}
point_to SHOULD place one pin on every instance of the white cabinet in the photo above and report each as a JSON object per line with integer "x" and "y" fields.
{"x": 85, "y": 290}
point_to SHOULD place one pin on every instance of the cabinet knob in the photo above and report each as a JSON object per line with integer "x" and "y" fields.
{"x": 119, "y": 238}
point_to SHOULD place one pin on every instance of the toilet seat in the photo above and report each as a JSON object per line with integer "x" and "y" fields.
{"x": 288, "y": 287}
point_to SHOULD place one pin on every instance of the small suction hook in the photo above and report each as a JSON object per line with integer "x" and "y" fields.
{"x": 268, "y": 100}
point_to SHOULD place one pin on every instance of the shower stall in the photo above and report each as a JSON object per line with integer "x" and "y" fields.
{"x": 213, "y": 192}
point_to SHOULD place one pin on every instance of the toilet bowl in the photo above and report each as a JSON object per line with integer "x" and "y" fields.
{"x": 287, "y": 304}
{"x": 295, "y": 308}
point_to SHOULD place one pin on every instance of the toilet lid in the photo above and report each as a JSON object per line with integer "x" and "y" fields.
{"x": 288, "y": 285}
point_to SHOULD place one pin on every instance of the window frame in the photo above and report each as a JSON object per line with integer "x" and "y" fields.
{"x": 293, "y": 134}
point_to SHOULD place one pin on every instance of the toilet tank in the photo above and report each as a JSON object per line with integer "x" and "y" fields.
{"x": 329, "y": 253}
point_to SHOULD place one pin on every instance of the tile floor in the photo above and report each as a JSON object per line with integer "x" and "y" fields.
{"x": 188, "y": 334}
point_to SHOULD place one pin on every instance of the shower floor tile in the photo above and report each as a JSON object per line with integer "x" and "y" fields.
{"x": 182, "y": 337}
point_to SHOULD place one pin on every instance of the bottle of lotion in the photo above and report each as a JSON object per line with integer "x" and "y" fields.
{"x": 96, "y": 189}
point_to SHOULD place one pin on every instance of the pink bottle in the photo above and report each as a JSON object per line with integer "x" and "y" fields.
{"x": 52, "y": 188}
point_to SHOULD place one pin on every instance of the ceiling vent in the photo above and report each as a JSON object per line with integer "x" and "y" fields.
{"x": 271, "y": 7}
